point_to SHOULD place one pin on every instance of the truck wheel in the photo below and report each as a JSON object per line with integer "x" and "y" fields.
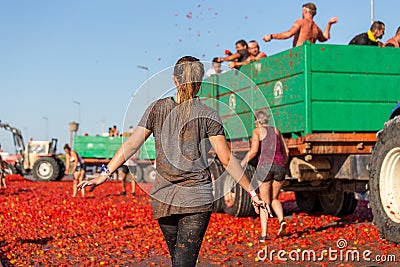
{"x": 337, "y": 202}
{"x": 350, "y": 204}
{"x": 149, "y": 174}
{"x": 384, "y": 182}
{"x": 46, "y": 169}
{"x": 306, "y": 201}
{"x": 138, "y": 174}
{"x": 236, "y": 201}
{"x": 11, "y": 169}
{"x": 216, "y": 170}
{"x": 62, "y": 169}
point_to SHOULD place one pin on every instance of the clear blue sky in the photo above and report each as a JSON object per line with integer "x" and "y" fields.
{"x": 54, "y": 52}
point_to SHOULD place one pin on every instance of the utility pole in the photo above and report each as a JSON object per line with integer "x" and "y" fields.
{"x": 147, "y": 82}
{"x": 372, "y": 12}
{"x": 79, "y": 114}
{"x": 47, "y": 127}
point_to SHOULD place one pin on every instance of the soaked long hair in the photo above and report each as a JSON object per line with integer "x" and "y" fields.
{"x": 189, "y": 72}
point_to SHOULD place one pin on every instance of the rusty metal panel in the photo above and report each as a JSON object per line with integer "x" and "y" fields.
{"x": 331, "y": 143}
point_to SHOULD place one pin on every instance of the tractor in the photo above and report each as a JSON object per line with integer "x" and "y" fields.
{"x": 37, "y": 157}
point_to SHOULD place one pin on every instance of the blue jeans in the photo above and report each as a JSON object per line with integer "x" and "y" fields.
{"x": 184, "y": 234}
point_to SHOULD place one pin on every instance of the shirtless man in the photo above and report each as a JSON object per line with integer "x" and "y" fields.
{"x": 395, "y": 40}
{"x": 255, "y": 54}
{"x": 242, "y": 53}
{"x": 305, "y": 29}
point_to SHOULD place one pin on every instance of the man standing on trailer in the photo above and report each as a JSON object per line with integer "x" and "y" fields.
{"x": 305, "y": 29}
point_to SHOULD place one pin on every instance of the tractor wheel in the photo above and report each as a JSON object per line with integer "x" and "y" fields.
{"x": 62, "y": 169}
{"x": 149, "y": 174}
{"x": 138, "y": 174}
{"x": 306, "y": 201}
{"x": 236, "y": 200}
{"x": 337, "y": 202}
{"x": 46, "y": 169}
{"x": 384, "y": 182}
{"x": 11, "y": 169}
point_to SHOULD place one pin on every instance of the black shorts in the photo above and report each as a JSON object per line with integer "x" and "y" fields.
{"x": 80, "y": 167}
{"x": 266, "y": 173}
{"x": 125, "y": 169}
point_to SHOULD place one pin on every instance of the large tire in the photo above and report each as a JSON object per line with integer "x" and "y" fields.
{"x": 306, "y": 201}
{"x": 350, "y": 204}
{"x": 46, "y": 169}
{"x": 216, "y": 170}
{"x": 149, "y": 174}
{"x": 11, "y": 169}
{"x": 236, "y": 200}
{"x": 384, "y": 183}
{"x": 337, "y": 202}
{"x": 62, "y": 169}
{"x": 138, "y": 174}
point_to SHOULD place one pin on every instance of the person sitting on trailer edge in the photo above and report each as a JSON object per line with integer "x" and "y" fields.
{"x": 375, "y": 32}
{"x": 394, "y": 41}
{"x": 241, "y": 55}
{"x": 255, "y": 54}
{"x": 305, "y": 29}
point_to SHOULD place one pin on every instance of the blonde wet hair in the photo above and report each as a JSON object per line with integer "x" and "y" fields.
{"x": 189, "y": 73}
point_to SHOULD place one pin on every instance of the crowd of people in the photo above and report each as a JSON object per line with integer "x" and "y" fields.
{"x": 113, "y": 131}
{"x": 304, "y": 29}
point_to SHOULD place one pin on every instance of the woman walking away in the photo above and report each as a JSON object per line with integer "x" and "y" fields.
{"x": 184, "y": 130}
{"x": 78, "y": 168}
{"x": 270, "y": 172}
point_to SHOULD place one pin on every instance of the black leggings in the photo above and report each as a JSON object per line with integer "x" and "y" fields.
{"x": 184, "y": 234}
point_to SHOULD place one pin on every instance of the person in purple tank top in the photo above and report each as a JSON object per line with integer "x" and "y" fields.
{"x": 268, "y": 143}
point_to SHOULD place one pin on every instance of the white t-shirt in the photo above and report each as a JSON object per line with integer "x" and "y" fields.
{"x": 211, "y": 72}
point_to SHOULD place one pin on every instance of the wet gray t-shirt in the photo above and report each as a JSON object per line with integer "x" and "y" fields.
{"x": 183, "y": 182}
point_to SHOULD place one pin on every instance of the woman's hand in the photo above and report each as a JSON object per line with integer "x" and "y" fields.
{"x": 93, "y": 183}
{"x": 258, "y": 203}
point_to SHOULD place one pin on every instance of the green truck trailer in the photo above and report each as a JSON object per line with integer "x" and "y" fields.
{"x": 98, "y": 150}
{"x": 329, "y": 101}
